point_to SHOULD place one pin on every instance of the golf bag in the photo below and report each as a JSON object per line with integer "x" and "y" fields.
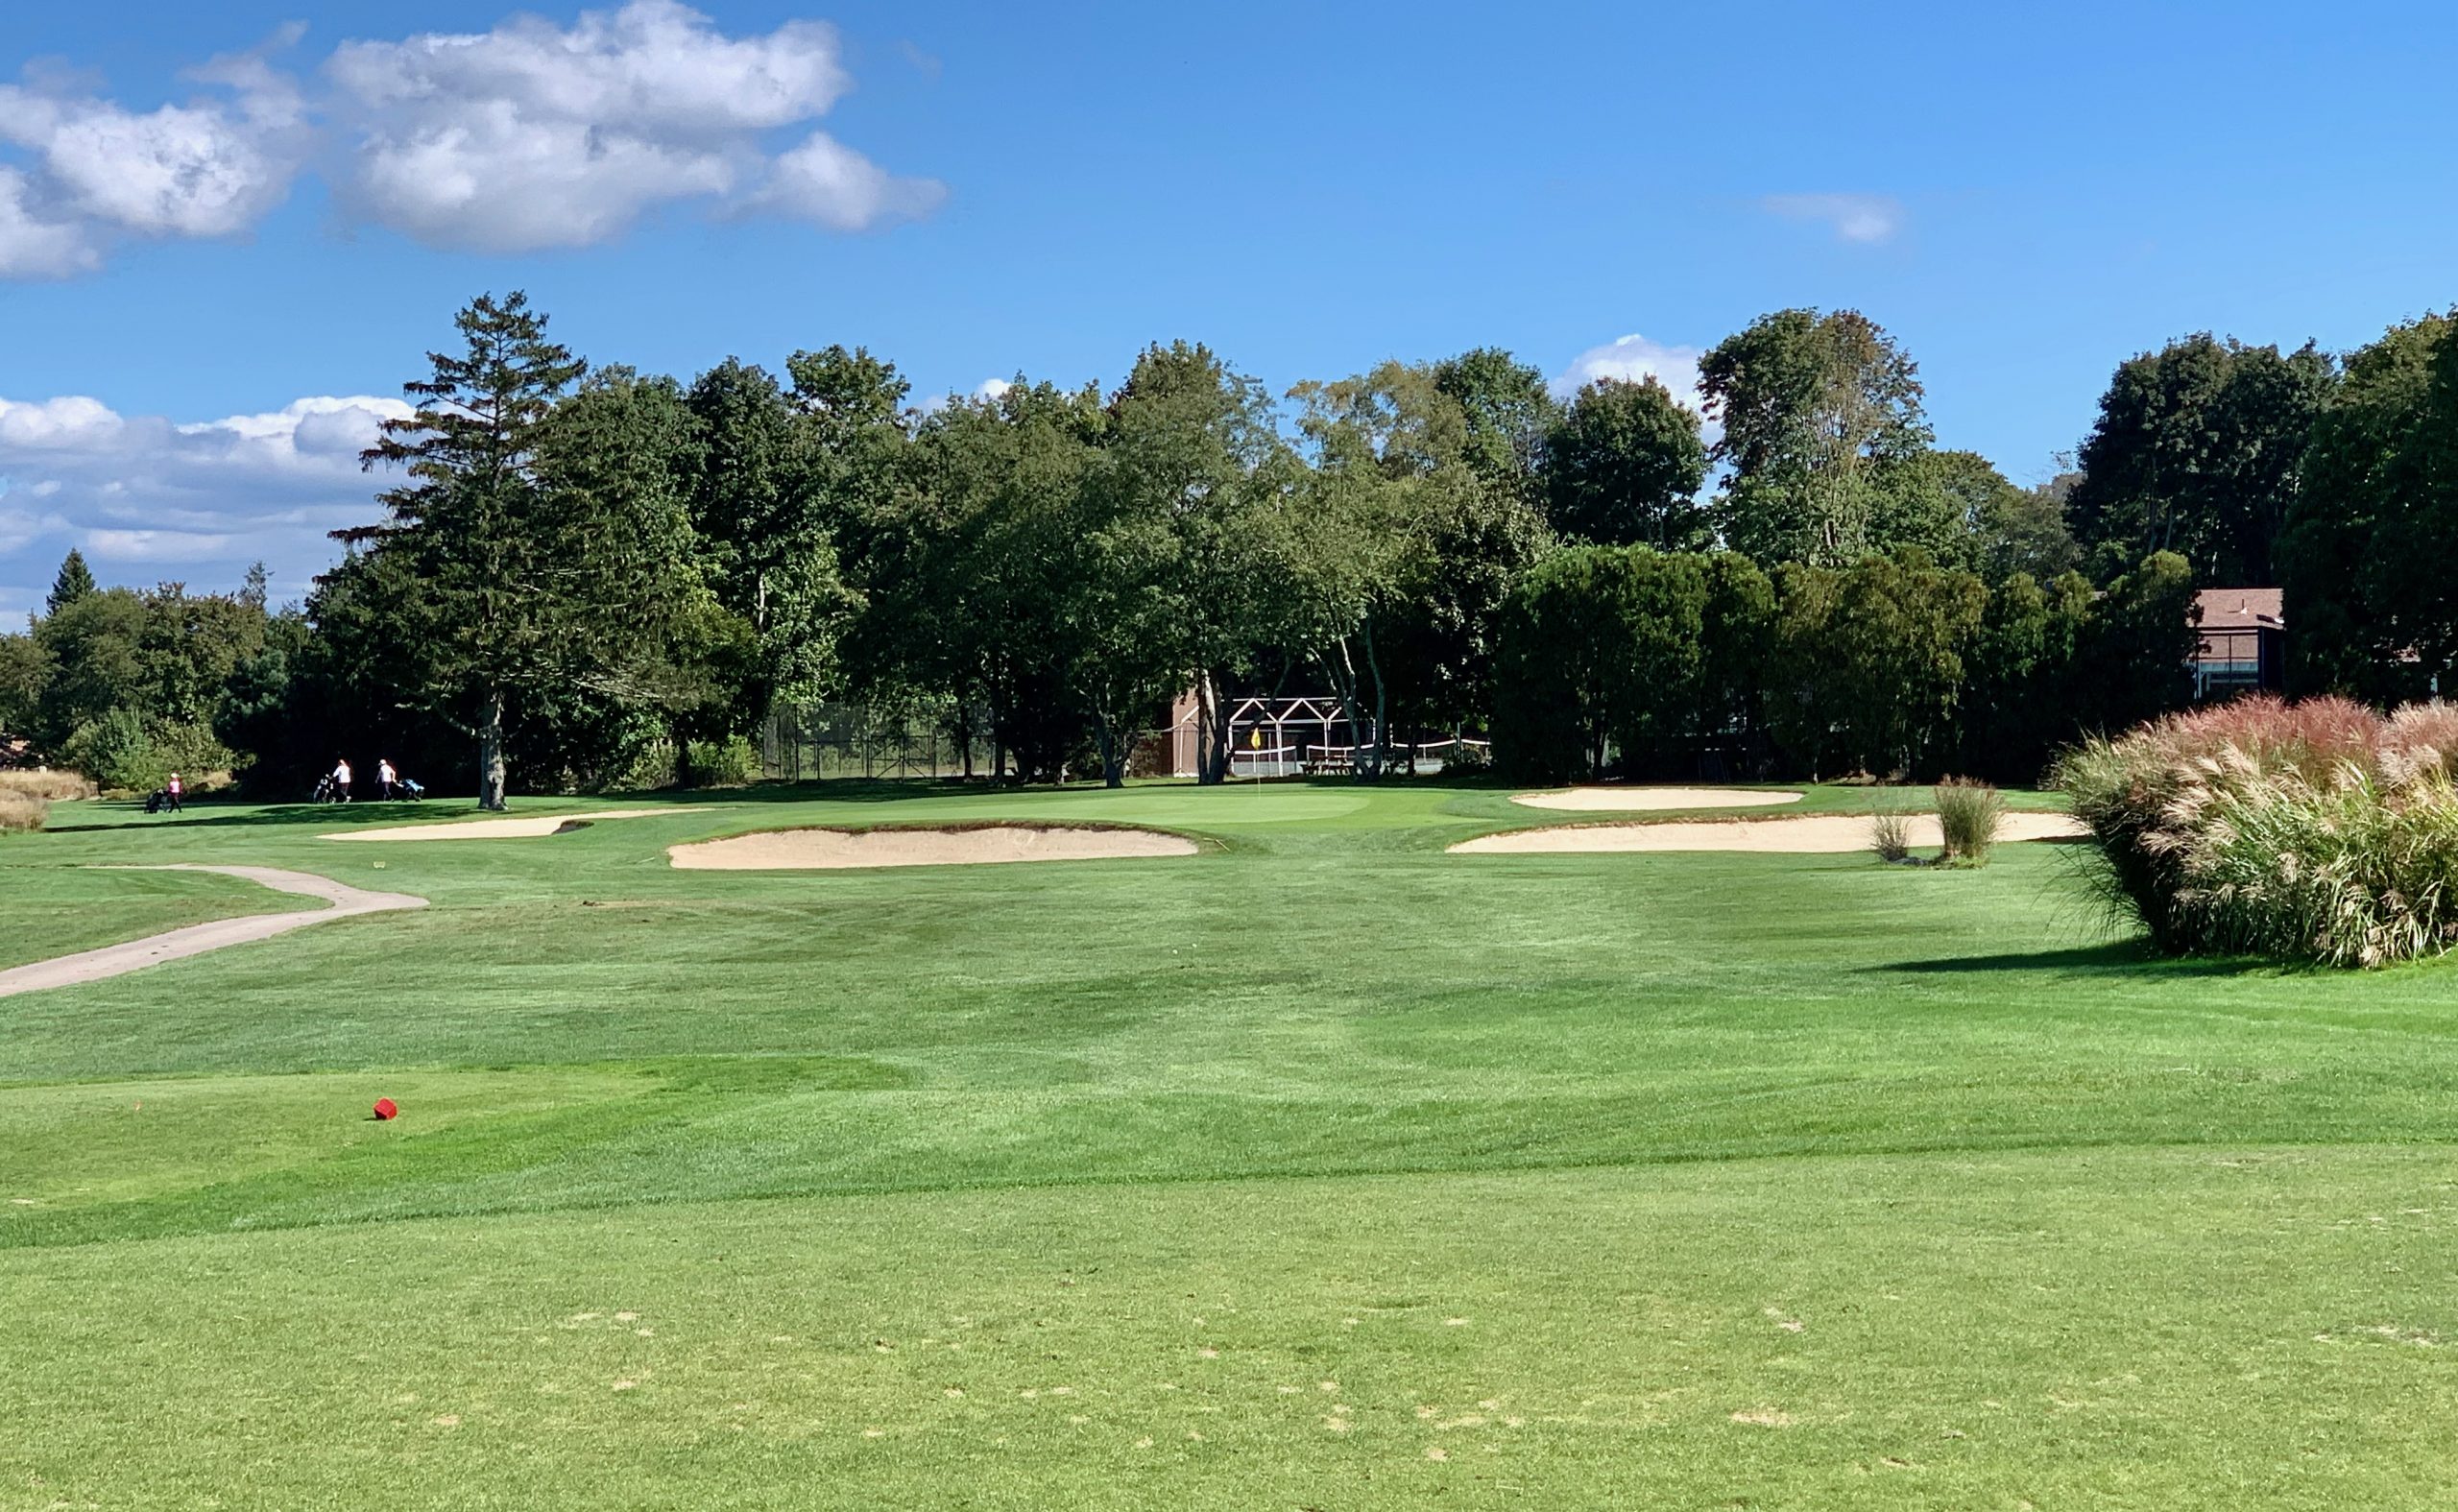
{"x": 157, "y": 800}
{"x": 403, "y": 787}
{"x": 327, "y": 791}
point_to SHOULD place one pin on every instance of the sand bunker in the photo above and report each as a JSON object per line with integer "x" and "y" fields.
{"x": 1636, "y": 799}
{"x": 801, "y": 849}
{"x": 1813, "y": 834}
{"x": 510, "y": 828}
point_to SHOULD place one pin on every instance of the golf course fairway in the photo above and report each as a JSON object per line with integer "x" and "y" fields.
{"x": 1321, "y": 1167}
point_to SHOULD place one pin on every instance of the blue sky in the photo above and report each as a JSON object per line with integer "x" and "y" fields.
{"x": 2023, "y": 199}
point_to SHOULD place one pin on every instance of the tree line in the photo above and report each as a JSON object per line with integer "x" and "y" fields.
{"x": 591, "y": 577}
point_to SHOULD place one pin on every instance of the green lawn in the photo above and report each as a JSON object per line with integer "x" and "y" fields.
{"x": 1320, "y": 1169}
{"x": 54, "y": 909}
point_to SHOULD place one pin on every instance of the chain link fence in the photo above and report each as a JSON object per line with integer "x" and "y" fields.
{"x": 841, "y": 740}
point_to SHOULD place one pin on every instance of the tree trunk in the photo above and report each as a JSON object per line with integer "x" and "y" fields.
{"x": 1113, "y": 764}
{"x": 961, "y": 728}
{"x": 491, "y": 754}
{"x": 1343, "y": 680}
{"x": 1381, "y": 725}
{"x": 1211, "y": 733}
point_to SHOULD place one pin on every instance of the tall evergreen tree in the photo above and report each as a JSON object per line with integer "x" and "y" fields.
{"x": 74, "y": 582}
{"x": 507, "y": 567}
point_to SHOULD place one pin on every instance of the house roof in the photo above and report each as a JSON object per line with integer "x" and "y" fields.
{"x": 2241, "y": 608}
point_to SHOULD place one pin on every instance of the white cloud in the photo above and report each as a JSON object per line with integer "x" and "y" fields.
{"x": 1630, "y": 358}
{"x": 62, "y": 424}
{"x": 528, "y": 136}
{"x": 95, "y": 173}
{"x": 196, "y": 501}
{"x": 173, "y": 546}
{"x": 1865, "y": 218}
{"x": 532, "y": 135}
{"x": 992, "y": 389}
{"x": 34, "y": 245}
{"x": 829, "y": 182}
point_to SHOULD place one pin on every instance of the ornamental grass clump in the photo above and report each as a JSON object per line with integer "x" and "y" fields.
{"x": 1970, "y": 813}
{"x": 2316, "y": 831}
{"x": 1891, "y": 837}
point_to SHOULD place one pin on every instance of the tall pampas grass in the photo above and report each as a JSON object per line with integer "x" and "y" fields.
{"x": 1969, "y": 814}
{"x": 2318, "y": 831}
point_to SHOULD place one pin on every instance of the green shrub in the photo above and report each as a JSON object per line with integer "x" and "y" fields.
{"x": 113, "y": 750}
{"x": 192, "y": 751}
{"x": 1464, "y": 760}
{"x": 123, "y": 751}
{"x": 1970, "y": 814}
{"x": 730, "y": 762}
{"x": 653, "y": 766}
{"x": 2319, "y": 832}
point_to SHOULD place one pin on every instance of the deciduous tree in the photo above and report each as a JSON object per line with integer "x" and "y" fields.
{"x": 1818, "y": 411}
{"x": 2198, "y": 449}
{"x": 1624, "y": 465}
{"x": 2369, "y": 616}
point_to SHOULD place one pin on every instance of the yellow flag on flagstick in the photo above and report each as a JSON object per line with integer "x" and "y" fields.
{"x": 1255, "y": 741}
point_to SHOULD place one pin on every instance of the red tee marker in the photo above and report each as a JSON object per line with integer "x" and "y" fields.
{"x": 386, "y": 1108}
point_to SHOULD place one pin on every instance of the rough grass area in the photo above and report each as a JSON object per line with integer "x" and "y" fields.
{"x": 54, "y": 910}
{"x": 50, "y": 787}
{"x": 22, "y": 813}
{"x": 1321, "y": 1169}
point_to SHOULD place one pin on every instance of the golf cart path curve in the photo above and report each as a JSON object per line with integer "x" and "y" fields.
{"x": 342, "y": 901}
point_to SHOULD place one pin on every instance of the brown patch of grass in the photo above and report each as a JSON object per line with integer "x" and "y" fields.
{"x": 22, "y": 815}
{"x": 51, "y": 788}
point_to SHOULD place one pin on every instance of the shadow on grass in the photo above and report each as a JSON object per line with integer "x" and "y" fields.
{"x": 2133, "y": 957}
{"x": 201, "y": 813}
